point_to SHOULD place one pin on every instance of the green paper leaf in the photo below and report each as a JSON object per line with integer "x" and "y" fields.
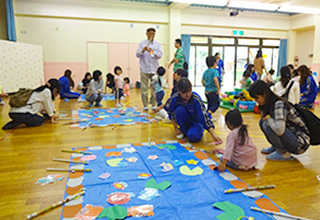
{"x": 232, "y": 211}
{"x": 114, "y": 212}
{"x": 169, "y": 146}
{"x": 153, "y": 184}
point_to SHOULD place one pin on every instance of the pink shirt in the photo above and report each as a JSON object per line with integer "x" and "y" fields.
{"x": 126, "y": 87}
{"x": 240, "y": 155}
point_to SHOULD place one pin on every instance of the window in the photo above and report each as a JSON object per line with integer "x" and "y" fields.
{"x": 251, "y": 42}
{"x": 222, "y": 41}
{"x": 275, "y": 43}
{"x": 199, "y": 40}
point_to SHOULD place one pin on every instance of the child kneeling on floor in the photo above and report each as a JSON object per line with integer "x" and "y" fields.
{"x": 240, "y": 152}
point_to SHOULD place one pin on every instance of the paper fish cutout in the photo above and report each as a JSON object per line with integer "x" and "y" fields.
{"x": 148, "y": 194}
{"x": 177, "y": 163}
{"x": 166, "y": 167}
{"x": 152, "y": 157}
{"x": 120, "y": 185}
{"x": 89, "y": 212}
{"x": 140, "y": 211}
{"x": 129, "y": 150}
{"x": 119, "y": 198}
{"x": 132, "y": 159}
{"x": 104, "y": 176}
{"x": 144, "y": 175}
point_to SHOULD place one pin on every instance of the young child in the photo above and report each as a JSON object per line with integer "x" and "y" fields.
{"x": 157, "y": 85}
{"x": 240, "y": 152}
{"x": 246, "y": 81}
{"x": 177, "y": 76}
{"x": 268, "y": 78}
{"x": 118, "y": 85}
{"x": 85, "y": 82}
{"x": 210, "y": 80}
{"x": 110, "y": 83}
{"x": 126, "y": 88}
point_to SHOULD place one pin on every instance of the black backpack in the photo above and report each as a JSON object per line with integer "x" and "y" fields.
{"x": 185, "y": 64}
{"x": 311, "y": 120}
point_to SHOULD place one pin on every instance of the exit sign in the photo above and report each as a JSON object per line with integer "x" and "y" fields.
{"x": 237, "y": 33}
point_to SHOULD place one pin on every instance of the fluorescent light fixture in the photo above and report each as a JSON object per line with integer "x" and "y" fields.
{"x": 204, "y": 2}
{"x": 302, "y": 10}
{"x": 253, "y": 5}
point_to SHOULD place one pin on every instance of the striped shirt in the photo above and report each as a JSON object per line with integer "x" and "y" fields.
{"x": 240, "y": 155}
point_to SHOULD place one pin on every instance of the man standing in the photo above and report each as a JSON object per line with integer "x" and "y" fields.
{"x": 149, "y": 52}
{"x": 178, "y": 59}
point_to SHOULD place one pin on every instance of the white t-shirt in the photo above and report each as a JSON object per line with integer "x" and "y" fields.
{"x": 119, "y": 81}
{"x": 37, "y": 102}
{"x": 294, "y": 94}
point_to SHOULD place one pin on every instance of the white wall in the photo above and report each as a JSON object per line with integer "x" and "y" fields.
{"x": 304, "y": 46}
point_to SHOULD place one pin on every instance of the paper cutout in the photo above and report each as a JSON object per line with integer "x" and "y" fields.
{"x": 113, "y": 154}
{"x": 120, "y": 185}
{"x": 73, "y": 190}
{"x": 116, "y": 162}
{"x": 153, "y": 184}
{"x": 208, "y": 162}
{"x": 213, "y": 167}
{"x": 76, "y": 201}
{"x": 71, "y": 211}
{"x": 88, "y": 157}
{"x": 253, "y": 194}
{"x": 132, "y": 159}
{"x": 144, "y": 175}
{"x": 177, "y": 163}
{"x": 129, "y": 150}
{"x": 113, "y": 213}
{"x": 49, "y": 179}
{"x": 166, "y": 167}
{"x": 97, "y": 119}
{"x": 200, "y": 155}
{"x": 185, "y": 170}
{"x": 116, "y": 116}
{"x": 109, "y": 111}
{"x": 264, "y": 203}
{"x": 140, "y": 211}
{"x": 104, "y": 176}
{"x": 192, "y": 161}
{"x": 232, "y": 212}
{"x": 238, "y": 184}
{"x": 128, "y": 120}
{"x": 148, "y": 194}
{"x": 152, "y": 157}
{"x": 104, "y": 116}
{"x": 228, "y": 176}
{"x": 169, "y": 146}
{"x": 89, "y": 212}
{"x": 119, "y": 198}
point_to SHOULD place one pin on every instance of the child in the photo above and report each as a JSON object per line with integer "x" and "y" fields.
{"x": 268, "y": 78}
{"x": 308, "y": 87}
{"x": 210, "y": 80}
{"x": 85, "y": 82}
{"x": 188, "y": 115}
{"x": 157, "y": 85}
{"x": 118, "y": 85}
{"x": 126, "y": 88}
{"x": 240, "y": 152}
{"x": 110, "y": 83}
{"x": 246, "y": 81}
{"x": 66, "y": 85}
{"x": 95, "y": 89}
{"x": 177, "y": 76}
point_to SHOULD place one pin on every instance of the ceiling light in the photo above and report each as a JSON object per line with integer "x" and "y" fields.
{"x": 302, "y": 10}
{"x": 253, "y": 5}
{"x": 204, "y": 2}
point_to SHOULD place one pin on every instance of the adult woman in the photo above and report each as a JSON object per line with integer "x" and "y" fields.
{"x": 66, "y": 84}
{"x": 85, "y": 82}
{"x": 259, "y": 65}
{"x": 308, "y": 87}
{"x": 94, "y": 92}
{"x": 40, "y": 101}
{"x": 281, "y": 87}
{"x": 280, "y": 123}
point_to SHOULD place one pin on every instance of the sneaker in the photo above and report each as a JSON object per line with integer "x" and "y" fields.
{"x": 278, "y": 157}
{"x": 180, "y": 136}
{"x": 145, "y": 109}
{"x": 98, "y": 105}
{"x": 90, "y": 105}
{"x": 119, "y": 105}
{"x": 268, "y": 150}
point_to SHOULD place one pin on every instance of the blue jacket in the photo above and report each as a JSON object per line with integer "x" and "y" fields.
{"x": 194, "y": 106}
{"x": 65, "y": 87}
{"x": 308, "y": 90}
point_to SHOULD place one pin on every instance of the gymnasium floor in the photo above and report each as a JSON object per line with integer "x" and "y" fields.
{"x": 26, "y": 153}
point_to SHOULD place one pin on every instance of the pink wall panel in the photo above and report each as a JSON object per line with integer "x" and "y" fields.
{"x": 56, "y": 70}
{"x": 315, "y": 67}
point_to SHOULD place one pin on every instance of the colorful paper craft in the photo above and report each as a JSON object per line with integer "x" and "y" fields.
{"x": 166, "y": 167}
{"x": 169, "y": 146}
{"x": 119, "y": 198}
{"x": 148, "y": 194}
{"x": 104, "y": 176}
{"x": 113, "y": 154}
{"x": 153, "y": 184}
{"x": 116, "y": 162}
{"x": 264, "y": 203}
{"x": 200, "y": 155}
{"x": 132, "y": 159}
{"x": 89, "y": 212}
{"x": 49, "y": 179}
{"x": 185, "y": 170}
{"x": 232, "y": 212}
{"x": 152, "y": 157}
{"x": 140, "y": 211}
{"x": 192, "y": 161}
{"x": 129, "y": 150}
{"x": 144, "y": 175}
{"x": 120, "y": 185}
{"x": 177, "y": 163}
{"x": 228, "y": 176}
{"x": 113, "y": 213}
{"x": 88, "y": 158}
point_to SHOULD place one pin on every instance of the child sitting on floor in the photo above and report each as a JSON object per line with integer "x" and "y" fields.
{"x": 240, "y": 152}
{"x": 246, "y": 81}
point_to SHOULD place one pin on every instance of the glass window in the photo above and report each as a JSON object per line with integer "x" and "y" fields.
{"x": 271, "y": 43}
{"x": 199, "y": 40}
{"x": 249, "y": 42}
{"x": 216, "y": 40}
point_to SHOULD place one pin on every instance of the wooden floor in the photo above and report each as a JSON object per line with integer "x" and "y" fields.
{"x": 26, "y": 153}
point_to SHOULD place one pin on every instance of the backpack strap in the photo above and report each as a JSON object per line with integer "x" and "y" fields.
{"x": 288, "y": 90}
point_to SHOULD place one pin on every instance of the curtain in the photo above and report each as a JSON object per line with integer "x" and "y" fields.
{"x": 10, "y": 21}
{"x": 282, "y": 59}
{"x": 185, "y": 44}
